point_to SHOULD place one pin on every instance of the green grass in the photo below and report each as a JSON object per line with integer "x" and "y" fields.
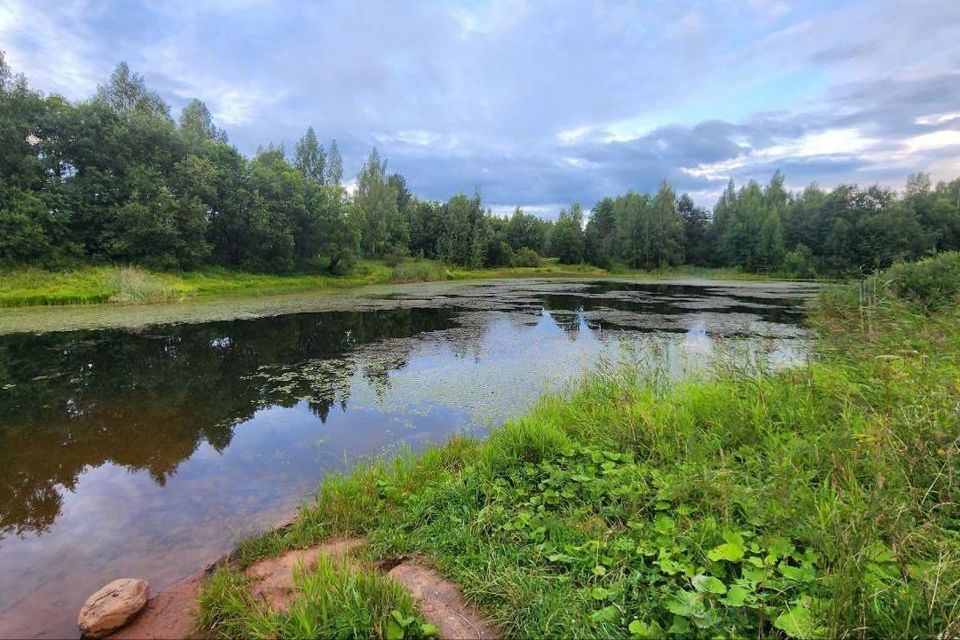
{"x": 332, "y": 601}
{"x": 89, "y": 285}
{"x": 692, "y": 271}
{"x": 815, "y": 502}
{"x": 132, "y": 285}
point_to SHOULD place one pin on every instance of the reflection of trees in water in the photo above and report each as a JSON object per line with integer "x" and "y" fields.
{"x": 146, "y": 400}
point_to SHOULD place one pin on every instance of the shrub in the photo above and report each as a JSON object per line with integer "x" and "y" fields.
{"x": 932, "y": 283}
{"x": 527, "y": 257}
{"x": 799, "y": 263}
{"x": 396, "y": 255}
{"x": 343, "y": 263}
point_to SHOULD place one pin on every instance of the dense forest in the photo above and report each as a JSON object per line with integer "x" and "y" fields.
{"x": 115, "y": 179}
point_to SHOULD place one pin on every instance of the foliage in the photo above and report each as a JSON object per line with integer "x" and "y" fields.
{"x": 566, "y": 240}
{"x": 527, "y": 257}
{"x": 933, "y": 283}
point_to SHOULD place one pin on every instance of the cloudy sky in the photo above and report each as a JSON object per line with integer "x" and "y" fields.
{"x": 540, "y": 103}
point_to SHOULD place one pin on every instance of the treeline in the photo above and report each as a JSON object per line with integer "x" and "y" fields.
{"x": 115, "y": 179}
{"x": 768, "y": 229}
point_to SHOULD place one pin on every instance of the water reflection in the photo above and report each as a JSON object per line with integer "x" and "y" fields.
{"x": 148, "y": 452}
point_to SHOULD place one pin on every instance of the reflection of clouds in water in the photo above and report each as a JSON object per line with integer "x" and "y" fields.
{"x": 500, "y": 373}
{"x": 223, "y": 342}
{"x": 498, "y": 376}
{"x": 697, "y": 340}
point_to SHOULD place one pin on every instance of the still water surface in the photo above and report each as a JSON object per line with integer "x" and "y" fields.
{"x": 150, "y": 451}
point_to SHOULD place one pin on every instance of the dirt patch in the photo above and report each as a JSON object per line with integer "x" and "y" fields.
{"x": 441, "y": 603}
{"x": 272, "y": 578}
{"x": 170, "y": 614}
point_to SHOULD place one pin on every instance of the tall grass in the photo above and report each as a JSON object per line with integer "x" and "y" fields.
{"x": 132, "y": 284}
{"x": 813, "y": 502}
{"x": 332, "y": 601}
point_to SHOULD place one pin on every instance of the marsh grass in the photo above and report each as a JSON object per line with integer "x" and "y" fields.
{"x": 819, "y": 501}
{"x": 132, "y": 284}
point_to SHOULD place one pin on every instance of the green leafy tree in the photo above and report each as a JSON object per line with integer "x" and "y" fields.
{"x": 696, "y": 223}
{"x": 427, "y": 226}
{"x": 310, "y": 157}
{"x": 526, "y": 230}
{"x": 377, "y": 199}
{"x": 22, "y": 235}
{"x": 333, "y": 171}
{"x": 457, "y": 240}
{"x": 566, "y": 240}
{"x": 196, "y": 123}
{"x": 126, "y": 92}
{"x": 159, "y": 229}
{"x": 666, "y": 226}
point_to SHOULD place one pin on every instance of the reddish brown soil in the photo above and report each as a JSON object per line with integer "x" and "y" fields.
{"x": 167, "y": 615}
{"x": 273, "y": 577}
{"x": 441, "y": 603}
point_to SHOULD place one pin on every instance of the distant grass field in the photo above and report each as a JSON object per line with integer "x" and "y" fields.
{"x": 817, "y": 502}
{"x": 133, "y": 285}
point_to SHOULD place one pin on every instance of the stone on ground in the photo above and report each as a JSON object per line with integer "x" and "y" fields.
{"x": 112, "y": 607}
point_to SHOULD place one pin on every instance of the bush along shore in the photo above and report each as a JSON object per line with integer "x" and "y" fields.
{"x": 818, "y": 501}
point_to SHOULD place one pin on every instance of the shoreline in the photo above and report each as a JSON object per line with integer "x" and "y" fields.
{"x": 133, "y": 286}
{"x": 172, "y": 611}
{"x": 49, "y": 318}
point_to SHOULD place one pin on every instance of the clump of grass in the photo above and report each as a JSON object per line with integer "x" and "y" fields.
{"x": 811, "y": 502}
{"x": 133, "y": 284}
{"x": 332, "y": 600}
{"x": 418, "y": 271}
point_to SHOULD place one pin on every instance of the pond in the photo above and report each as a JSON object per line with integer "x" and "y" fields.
{"x": 148, "y": 450}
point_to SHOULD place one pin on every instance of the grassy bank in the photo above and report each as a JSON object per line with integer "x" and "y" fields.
{"x": 815, "y": 502}
{"x": 134, "y": 285}
{"x": 131, "y": 285}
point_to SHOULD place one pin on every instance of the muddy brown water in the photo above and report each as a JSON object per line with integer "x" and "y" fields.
{"x": 147, "y": 441}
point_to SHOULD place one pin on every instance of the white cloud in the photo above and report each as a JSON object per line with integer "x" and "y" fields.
{"x": 418, "y": 138}
{"x": 52, "y": 46}
{"x": 548, "y": 211}
{"x": 573, "y": 135}
{"x": 240, "y": 105}
{"x": 831, "y": 142}
{"x": 937, "y": 118}
{"x": 935, "y": 140}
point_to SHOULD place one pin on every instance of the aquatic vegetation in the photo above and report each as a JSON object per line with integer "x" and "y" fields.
{"x": 807, "y": 502}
